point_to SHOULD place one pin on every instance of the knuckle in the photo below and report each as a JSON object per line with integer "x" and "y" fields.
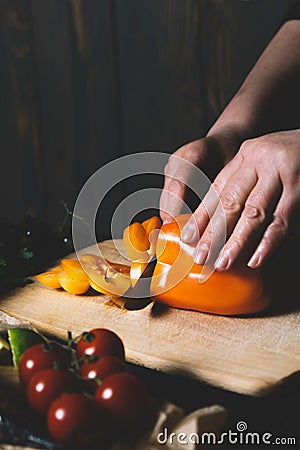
{"x": 237, "y": 244}
{"x": 266, "y": 242}
{"x": 175, "y": 185}
{"x": 202, "y": 214}
{"x": 275, "y": 232}
{"x": 230, "y": 203}
{"x": 256, "y": 212}
{"x": 188, "y": 152}
{"x": 254, "y": 148}
{"x": 217, "y": 186}
{"x": 208, "y": 236}
{"x": 279, "y": 224}
{"x": 179, "y": 160}
{"x": 247, "y": 145}
{"x": 212, "y": 237}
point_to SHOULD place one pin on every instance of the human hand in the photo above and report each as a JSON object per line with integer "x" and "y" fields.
{"x": 209, "y": 154}
{"x": 259, "y": 190}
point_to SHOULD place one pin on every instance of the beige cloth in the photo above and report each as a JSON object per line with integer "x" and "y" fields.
{"x": 14, "y": 447}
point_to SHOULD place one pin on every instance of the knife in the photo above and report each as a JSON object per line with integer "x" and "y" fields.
{"x": 138, "y": 297}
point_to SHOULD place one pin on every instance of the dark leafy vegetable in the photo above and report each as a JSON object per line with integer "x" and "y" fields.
{"x": 28, "y": 247}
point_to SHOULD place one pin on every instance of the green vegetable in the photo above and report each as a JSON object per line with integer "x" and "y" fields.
{"x": 21, "y": 339}
{"x": 29, "y": 247}
{"x": 4, "y": 350}
{"x": 4, "y": 345}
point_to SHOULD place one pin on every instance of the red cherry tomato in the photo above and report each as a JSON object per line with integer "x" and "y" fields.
{"x": 124, "y": 398}
{"x": 37, "y": 358}
{"x": 100, "y": 342}
{"x": 46, "y": 386}
{"x": 68, "y": 415}
{"x": 105, "y": 366}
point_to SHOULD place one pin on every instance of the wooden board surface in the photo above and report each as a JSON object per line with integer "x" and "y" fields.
{"x": 250, "y": 355}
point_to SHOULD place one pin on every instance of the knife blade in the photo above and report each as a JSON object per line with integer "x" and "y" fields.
{"x": 138, "y": 297}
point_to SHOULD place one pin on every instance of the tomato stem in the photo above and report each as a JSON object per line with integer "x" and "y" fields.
{"x": 71, "y": 341}
{"x": 88, "y": 336}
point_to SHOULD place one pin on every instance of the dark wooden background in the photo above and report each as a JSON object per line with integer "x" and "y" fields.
{"x": 85, "y": 81}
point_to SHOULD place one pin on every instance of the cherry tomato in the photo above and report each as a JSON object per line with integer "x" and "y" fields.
{"x": 35, "y": 359}
{"x": 70, "y": 414}
{"x": 100, "y": 342}
{"x": 124, "y": 398}
{"x": 105, "y": 366}
{"x": 46, "y": 386}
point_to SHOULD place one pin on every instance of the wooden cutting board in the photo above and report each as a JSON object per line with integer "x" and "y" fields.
{"x": 250, "y": 355}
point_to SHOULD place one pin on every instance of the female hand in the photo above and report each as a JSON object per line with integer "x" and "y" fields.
{"x": 259, "y": 190}
{"x": 210, "y": 154}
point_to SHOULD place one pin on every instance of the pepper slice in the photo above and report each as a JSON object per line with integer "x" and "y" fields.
{"x": 140, "y": 239}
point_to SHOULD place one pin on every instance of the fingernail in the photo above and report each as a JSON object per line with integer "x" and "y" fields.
{"x": 223, "y": 262}
{"x": 200, "y": 254}
{"x": 188, "y": 233}
{"x": 254, "y": 260}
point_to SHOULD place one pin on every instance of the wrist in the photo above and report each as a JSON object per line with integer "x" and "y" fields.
{"x": 229, "y": 138}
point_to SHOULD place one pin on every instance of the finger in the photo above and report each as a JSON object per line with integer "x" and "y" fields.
{"x": 178, "y": 172}
{"x": 180, "y": 175}
{"x": 226, "y": 216}
{"x": 259, "y": 207}
{"x": 215, "y": 234}
{"x": 171, "y": 199}
{"x": 201, "y": 217}
{"x": 276, "y": 231}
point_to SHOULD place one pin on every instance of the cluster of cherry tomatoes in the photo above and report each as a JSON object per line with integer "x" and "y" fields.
{"x": 84, "y": 388}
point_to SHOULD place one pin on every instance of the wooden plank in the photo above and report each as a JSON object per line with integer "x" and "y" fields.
{"x": 95, "y": 71}
{"x": 181, "y": 62}
{"x": 230, "y": 37}
{"x": 75, "y": 67}
{"x": 159, "y": 74}
{"x": 51, "y": 37}
{"x": 21, "y": 167}
{"x": 246, "y": 355}
{"x": 255, "y": 25}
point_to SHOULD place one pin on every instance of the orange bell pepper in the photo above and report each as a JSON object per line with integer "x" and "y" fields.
{"x": 178, "y": 282}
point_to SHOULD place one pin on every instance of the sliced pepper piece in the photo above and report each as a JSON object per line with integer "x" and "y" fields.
{"x": 72, "y": 285}
{"x": 73, "y": 269}
{"x": 104, "y": 276}
{"x": 50, "y": 278}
